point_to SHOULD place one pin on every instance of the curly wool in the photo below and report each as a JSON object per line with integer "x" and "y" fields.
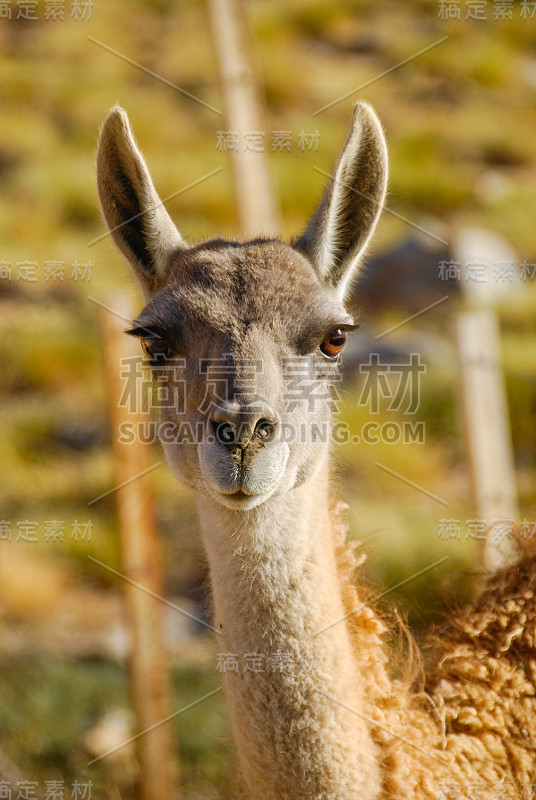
{"x": 472, "y": 732}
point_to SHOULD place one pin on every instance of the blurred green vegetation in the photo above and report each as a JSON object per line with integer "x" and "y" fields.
{"x": 78, "y": 694}
{"x": 460, "y": 125}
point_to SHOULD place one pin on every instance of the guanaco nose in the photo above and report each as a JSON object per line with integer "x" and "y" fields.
{"x": 236, "y": 425}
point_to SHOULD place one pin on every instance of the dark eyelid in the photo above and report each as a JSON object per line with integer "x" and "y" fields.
{"x": 351, "y": 322}
{"x": 145, "y": 332}
{"x": 347, "y": 327}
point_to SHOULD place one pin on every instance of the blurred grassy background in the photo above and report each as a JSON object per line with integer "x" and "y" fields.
{"x": 460, "y": 124}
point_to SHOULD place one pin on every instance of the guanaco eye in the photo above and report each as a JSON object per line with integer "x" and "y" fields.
{"x": 333, "y": 345}
{"x": 154, "y": 349}
{"x": 146, "y": 347}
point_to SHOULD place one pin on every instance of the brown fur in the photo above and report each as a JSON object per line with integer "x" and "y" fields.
{"x": 478, "y": 709}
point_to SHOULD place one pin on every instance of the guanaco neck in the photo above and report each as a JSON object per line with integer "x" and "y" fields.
{"x": 289, "y": 672}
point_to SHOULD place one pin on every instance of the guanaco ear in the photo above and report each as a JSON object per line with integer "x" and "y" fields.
{"x": 348, "y": 212}
{"x": 136, "y": 217}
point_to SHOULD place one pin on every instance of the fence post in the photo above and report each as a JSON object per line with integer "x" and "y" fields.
{"x": 488, "y": 432}
{"x": 241, "y": 87}
{"x": 141, "y": 557}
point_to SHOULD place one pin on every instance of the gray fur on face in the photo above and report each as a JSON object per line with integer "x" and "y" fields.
{"x": 260, "y": 302}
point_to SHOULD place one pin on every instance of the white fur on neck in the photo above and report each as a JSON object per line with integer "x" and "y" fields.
{"x": 275, "y": 586}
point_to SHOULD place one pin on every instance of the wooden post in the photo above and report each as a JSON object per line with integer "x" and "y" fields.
{"x": 141, "y": 563}
{"x": 257, "y": 208}
{"x": 488, "y": 431}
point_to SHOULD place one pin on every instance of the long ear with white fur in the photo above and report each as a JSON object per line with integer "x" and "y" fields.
{"x": 348, "y": 212}
{"x": 136, "y": 217}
